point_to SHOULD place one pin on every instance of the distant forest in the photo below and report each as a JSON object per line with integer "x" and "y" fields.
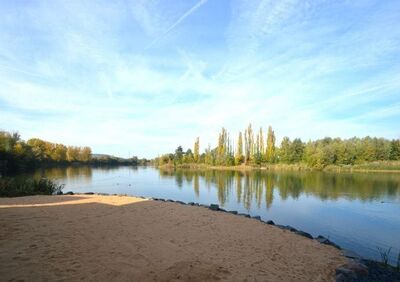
{"x": 17, "y": 155}
{"x": 252, "y": 149}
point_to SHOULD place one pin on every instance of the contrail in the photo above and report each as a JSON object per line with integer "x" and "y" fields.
{"x": 183, "y": 17}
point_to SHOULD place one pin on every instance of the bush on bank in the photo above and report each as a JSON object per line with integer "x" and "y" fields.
{"x": 15, "y": 187}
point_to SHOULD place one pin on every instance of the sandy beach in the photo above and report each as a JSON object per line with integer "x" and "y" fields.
{"x": 118, "y": 238}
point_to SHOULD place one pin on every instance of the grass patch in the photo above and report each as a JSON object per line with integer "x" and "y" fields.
{"x": 14, "y": 187}
{"x": 379, "y": 165}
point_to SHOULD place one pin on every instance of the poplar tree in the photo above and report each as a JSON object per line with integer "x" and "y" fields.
{"x": 196, "y": 150}
{"x": 222, "y": 148}
{"x": 249, "y": 144}
{"x": 257, "y": 153}
{"x": 270, "y": 154}
{"x": 229, "y": 155}
{"x": 262, "y": 148}
{"x": 209, "y": 158}
{"x": 246, "y": 151}
{"x": 239, "y": 150}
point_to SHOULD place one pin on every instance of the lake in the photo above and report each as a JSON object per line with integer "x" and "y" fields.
{"x": 358, "y": 211}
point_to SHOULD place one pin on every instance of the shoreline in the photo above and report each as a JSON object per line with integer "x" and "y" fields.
{"x": 160, "y": 240}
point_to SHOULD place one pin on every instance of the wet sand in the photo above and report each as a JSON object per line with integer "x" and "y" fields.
{"x": 118, "y": 238}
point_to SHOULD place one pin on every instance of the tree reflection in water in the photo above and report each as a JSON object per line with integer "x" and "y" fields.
{"x": 254, "y": 186}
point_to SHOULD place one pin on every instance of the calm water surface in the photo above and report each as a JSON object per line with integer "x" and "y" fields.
{"x": 359, "y": 211}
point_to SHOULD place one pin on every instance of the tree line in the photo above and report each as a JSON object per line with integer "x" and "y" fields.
{"x": 17, "y": 155}
{"x": 252, "y": 148}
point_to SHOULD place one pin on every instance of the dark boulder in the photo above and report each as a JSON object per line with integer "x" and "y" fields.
{"x": 357, "y": 267}
{"x": 340, "y": 277}
{"x": 326, "y": 241}
{"x": 351, "y": 254}
{"x": 290, "y": 228}
{"x": 304, "y": 234}
{"x": 88, "y": 193}
{"x": 270, "y": 222}
{"x": 344, "y": 274}
{"x": 69, "y": 193}
{"x": 59, "y": 193}
{"x": 353, "y": 271}
{"x": 257, "y": 217}
{"x": 214, "y": 207}
{"x": 321, "y": 239}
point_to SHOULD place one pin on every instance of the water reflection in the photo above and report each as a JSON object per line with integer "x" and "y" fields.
{"x": 77, "y": 174}
{"x": 81, "y": 173}
{"x": 254, "y": 186}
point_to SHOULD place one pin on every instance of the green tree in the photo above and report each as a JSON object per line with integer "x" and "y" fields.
{"x": 188, "y": 156}
{"x": 285, "y": 150}
{"x": 344, "y": 151}
{"x": 382, "y": 149}
{"x": 257, "y": 151}
{"x": 8, "y": 140}
{"x": 394, "y": 153}
{"x": 296, "y": 151}
{"x": 39, "y": 149}
{"x": 367, "y": 150}
{"x": 178, "y": 155}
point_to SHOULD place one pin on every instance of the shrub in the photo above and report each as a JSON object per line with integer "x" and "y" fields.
{"x": 14, "y": 187}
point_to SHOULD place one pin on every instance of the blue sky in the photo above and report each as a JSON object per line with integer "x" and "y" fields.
{"x": 141, "y": 77}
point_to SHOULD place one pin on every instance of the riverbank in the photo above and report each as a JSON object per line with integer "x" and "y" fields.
{"x": 378, "y": 166}
{"x": 125, "y": 238}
